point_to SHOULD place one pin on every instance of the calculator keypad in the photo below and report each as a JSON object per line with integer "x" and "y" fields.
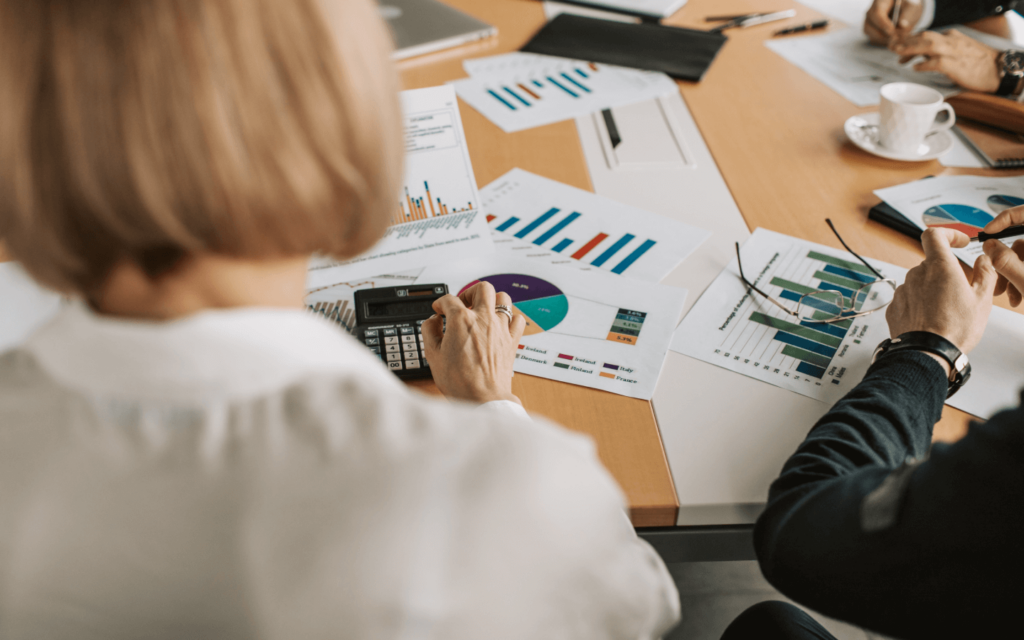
{"x": 401, "y": 348}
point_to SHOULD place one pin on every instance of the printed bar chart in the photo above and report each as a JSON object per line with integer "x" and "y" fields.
{"x": 338, "y": 312}
{"x": 420, "y": 208}
{"x": 572, "y": 225}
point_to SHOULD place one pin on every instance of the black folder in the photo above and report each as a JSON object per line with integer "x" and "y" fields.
{"x": 681, "y": 53}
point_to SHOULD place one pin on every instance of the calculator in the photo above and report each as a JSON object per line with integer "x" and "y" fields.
{"x": 389, "y": 321}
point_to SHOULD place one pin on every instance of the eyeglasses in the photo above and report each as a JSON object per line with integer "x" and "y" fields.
{"x": 847, "y": 290}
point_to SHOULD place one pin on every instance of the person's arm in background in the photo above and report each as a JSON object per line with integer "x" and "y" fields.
{"x": 950, "y": 12}
{"x": 858, "y": 527}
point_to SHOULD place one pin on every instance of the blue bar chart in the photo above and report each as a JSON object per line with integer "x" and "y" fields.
{"x": 735, "y": 327}
{"x": 550, "y": 220}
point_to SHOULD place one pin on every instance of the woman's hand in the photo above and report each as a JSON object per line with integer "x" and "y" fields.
{"x": 1009, "y": 262}
{"x": 966, "y": 61}
{"x": 471, "y": 356}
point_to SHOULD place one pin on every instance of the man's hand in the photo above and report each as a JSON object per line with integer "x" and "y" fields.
{"x": 878, "y": 22}
{"x": 937, "y": 297}
{"x": 1008, "y": 263}
{"x": 966, "y": 61}
{"x": 471, "y": 356}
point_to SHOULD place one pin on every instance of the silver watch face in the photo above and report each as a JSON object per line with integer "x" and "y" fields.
{"x": 1013, "y": 63}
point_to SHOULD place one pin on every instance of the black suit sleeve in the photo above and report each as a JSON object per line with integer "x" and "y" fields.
{"x": 910, "y": 548}
{"x": 949, "y": 12}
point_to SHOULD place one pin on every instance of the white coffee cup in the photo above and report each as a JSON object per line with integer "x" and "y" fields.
{"x": 909, "y": 113}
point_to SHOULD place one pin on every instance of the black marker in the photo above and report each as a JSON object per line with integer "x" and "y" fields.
{"x": 820, "y": 24}
{"x": 1009, "y": 232}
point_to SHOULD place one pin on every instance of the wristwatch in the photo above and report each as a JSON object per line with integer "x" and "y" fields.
{"x": 959, "y": 366}
{"x": 1011, "y": 73}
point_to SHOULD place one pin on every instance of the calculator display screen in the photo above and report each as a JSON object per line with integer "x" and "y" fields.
{"x": 400, "y": 308}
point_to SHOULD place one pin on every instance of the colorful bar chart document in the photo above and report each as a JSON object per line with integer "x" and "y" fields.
{"x": 587, "y": 328}
{"x": 541, "y": 219}
{"x": 437, "y": 214}
{"x": 519, "y": 91}
{"x": 740, "y": 330}
{"x": 964, "y": 203}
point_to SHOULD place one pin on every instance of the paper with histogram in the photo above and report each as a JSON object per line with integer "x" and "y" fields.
{"x": 437, "y": 214}
{"x": 964, "y": 203}
{"x": 587, "y": 328}
{"x": 739, "y": 330}
{"x": 541, "y": 219}
{"x": 519, "y": 91}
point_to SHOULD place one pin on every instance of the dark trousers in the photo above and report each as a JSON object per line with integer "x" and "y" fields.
{"x": 773, "y": 620}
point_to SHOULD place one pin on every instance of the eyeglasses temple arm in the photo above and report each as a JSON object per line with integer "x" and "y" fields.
{"x": 767, "y": 297}
{"x": 852, "y": 252}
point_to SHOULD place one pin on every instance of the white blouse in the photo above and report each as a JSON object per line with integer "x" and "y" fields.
{"x": 259, "y": 474}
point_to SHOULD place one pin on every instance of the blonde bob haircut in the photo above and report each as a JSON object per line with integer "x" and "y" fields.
{"x": 150, "y": 130}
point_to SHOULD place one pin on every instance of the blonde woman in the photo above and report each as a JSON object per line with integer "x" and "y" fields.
{"x": 184, "y": 453}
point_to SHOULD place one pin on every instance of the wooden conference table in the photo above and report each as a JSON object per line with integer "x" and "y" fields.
{"x": 777, "y": 137}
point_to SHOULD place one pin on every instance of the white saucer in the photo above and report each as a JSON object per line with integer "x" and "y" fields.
{"x": 862, "y": 131}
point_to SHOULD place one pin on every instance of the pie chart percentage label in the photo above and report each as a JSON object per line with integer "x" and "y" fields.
{"x": 998, "y": 204}
{"x": 961, "y": 217}
{"x": 542, "y": 304}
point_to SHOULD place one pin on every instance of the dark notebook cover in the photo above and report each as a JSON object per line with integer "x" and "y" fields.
{"x": 681, "y": 53}
{"x": 893, "y": 219}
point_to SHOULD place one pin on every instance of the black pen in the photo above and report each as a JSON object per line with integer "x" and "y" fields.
{"x": 820, "y": 24}
{"x": 1009, "y": 232}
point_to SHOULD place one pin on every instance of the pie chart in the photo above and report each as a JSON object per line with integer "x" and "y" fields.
{"x": 1002, "y": 203}
{"x": 961, "y": 217}
{"x": 542, "y": 303}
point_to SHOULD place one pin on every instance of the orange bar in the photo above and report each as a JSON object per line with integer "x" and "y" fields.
{"x": 535, "y": 96}
{"x": 607, "y": 375}
{"x": 618, "y": 337}
{"x": 593, "y": 67}
{"x": 409, "y": 200}
{"x": 429, "y": 201}
{"x": 444, "y": 207}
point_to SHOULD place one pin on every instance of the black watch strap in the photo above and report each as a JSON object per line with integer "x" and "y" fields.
{"x": 960, "y": 367}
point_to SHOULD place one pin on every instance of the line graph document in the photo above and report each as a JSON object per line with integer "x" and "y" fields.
{"x": 541, "y": 219}
{"x": 519, "y": 91}
{"x": 436, "y": 216}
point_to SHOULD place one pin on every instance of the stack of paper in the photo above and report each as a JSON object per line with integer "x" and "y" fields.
{"x": 519, "y": 91}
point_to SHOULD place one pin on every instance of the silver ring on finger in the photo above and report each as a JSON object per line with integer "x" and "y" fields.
{"x": 505, "y": 311}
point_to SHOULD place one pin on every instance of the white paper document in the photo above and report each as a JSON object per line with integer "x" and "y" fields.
{"x": 541, "y": 219}
{"x": 853, "y": 67}
{"x": 24, "y": 305}
{"x": 587, "y": 328}
{"x": 964, "y": 203}
{"x": 740, "y": 330}
{"x": 437, "y": 214}
{"x": 997, "y": 367}
{"x": 519, "y": 91}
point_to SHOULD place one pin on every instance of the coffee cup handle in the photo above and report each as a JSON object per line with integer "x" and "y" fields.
{"x": 950, "y": 121}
